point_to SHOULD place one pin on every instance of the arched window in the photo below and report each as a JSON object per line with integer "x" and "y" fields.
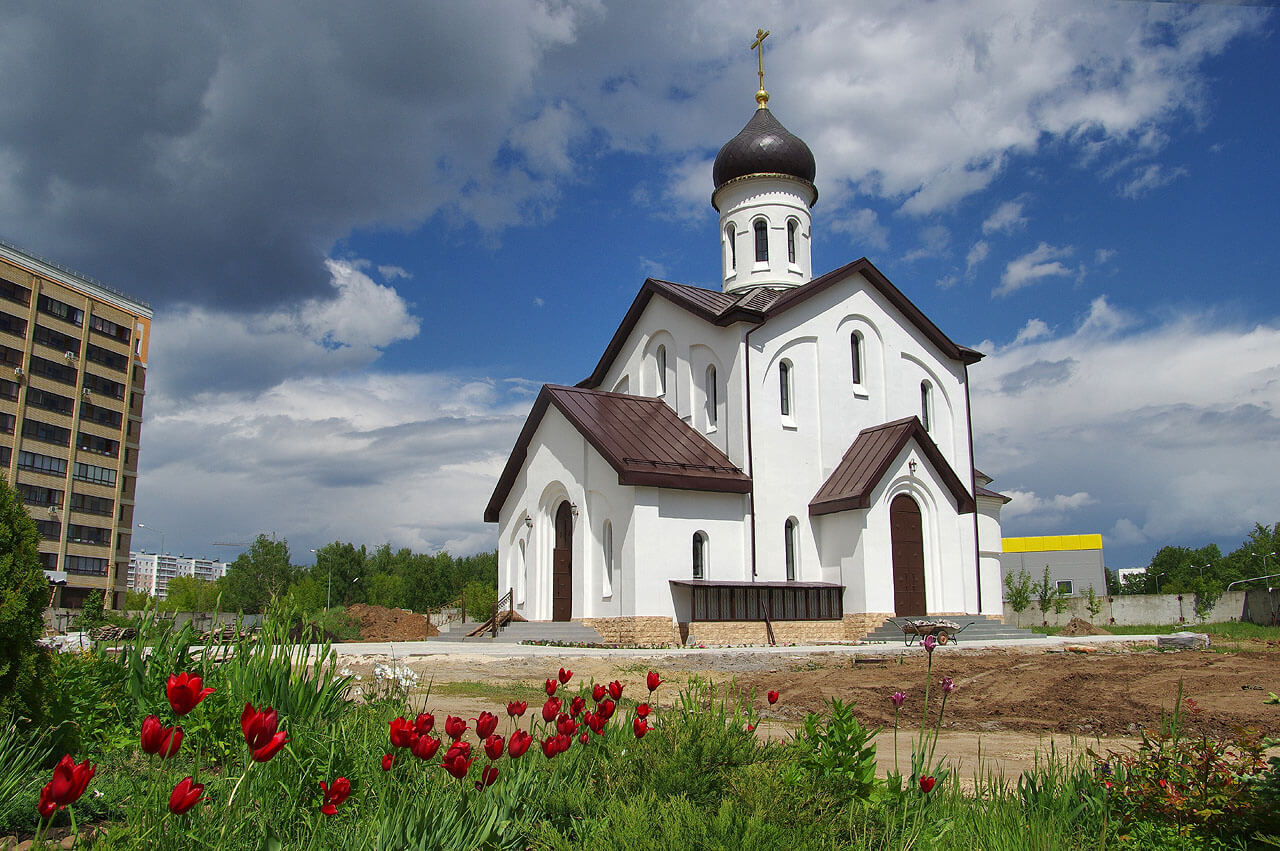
{"x": 606, "y": 536}
{"x": 855, "y": 352}
{"x": 926, "y": 403}
{"x": 713, "y": 399}
{"x": 661, "y": 357}
{"x": 522, "y": 574}
{"x": 792, "y": 227}
{"x": 791, "y": 546}
{"x": 784, "y": 388}
{"x": 730, "y": 248}
{"x": 762, "y": 241}
{"x": 699, "y": 555}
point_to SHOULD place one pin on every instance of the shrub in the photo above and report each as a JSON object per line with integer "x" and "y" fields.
{"x": 838, "y": 752}
{"x": 24, "y": 594}
{"x": 481, "y": 598}
{"x": 1017, "y": 592}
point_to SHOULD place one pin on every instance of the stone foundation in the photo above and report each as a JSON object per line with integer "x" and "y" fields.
{"x": 645, "y": 631}
{"x": 851, "y": 628}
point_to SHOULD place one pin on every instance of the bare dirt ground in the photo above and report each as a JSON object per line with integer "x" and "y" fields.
{"x": 1008, "y": 705}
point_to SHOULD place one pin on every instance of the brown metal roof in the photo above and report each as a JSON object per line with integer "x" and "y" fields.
{"x": 867, "y": 461}
{"x": 721, "y": 583}
{"x": 985, "y": 491}
{"x": 640, "y": 437}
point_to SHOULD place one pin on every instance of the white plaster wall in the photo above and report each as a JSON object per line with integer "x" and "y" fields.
{"x": 989, "y": 549}
{"x": 775, "y": 199}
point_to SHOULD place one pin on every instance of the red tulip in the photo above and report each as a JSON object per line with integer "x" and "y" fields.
{"x": 516, "y": 708}
{"x": 653, "y": 681}
{"x": 185, "y": 796}
{"x": 577, "y": 705}
{"x": 583, "y": 738}
{"x": 486, "y": 724}
{"x": 615, "y": 690}
{"x": 642, "y": 710}
{"x": 773, "y": 697}
{"x": 66, "y": 787}
{"x": 551, "y": 687}
{"x": 557, "y": 744}
{"x": 598, "y": 692}
{"x": 565, "y": 725}
{"x": 487, "y": 776}
{"x": 550, "y": 709}
{"x": 455, "y": 727}
{"x": 518, "y": 743}
{"x": 605, "y": 709}
{"x": 751, "y": 728}
{"x": 271, "y": 748}
{"x": 160, "y": 740}
{"x": 457, "y": 763}
{"x": 424, "y": 723}
{"x": 565, "y": 676}
{"x": 425, "y": 747}
{"x": 402, "y": 734}
{"x": 185, "y": 692}
{"x": 493, "y": 745}
{"x": 640, "y": 727}
{"x": 334, "y": 795}
{"x": 260, "y": 734}
{"x": 596, "y": 722}
{"x": 926, "y": 784}
{"x": 388, "y": 760}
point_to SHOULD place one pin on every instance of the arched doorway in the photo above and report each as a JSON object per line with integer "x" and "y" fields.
{"x": 562, "y": 565}
{"x": 907, "y": 534}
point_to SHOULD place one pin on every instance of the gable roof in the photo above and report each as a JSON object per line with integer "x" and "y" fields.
{"x": 641, "y": 438}
{"x": 758, "y": 305}
{"x": 867, "y": 461}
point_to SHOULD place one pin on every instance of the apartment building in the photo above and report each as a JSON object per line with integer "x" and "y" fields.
{"x": 73, "y": 363}
{"x": 150, "y": 572}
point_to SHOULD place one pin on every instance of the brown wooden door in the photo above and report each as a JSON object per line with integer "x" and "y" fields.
{"x": 562, "y": 566}
{"x": 908, "y": 556}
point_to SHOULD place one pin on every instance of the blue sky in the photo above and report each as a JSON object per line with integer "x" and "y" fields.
{"x": 370, "y": 236}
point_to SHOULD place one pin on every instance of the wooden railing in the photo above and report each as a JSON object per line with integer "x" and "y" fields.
{"x": 768, "y": 624}
{"x": 509, "y": 603}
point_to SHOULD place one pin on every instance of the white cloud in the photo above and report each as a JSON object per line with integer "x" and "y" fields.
{"x": 392, "y": 273}
{"x": 1104, "y": 255}
{"x": 1033, "y": 330}
{"x": 864, "y": 226}
{"x": 977, "y": 254}
{"x": 1006, "y": 218}
{"x": 1150, "y": 178}
{"x": 934, "y": 242}
{"x": 1053, "y": 511}
{"x": 1042, "y": 262}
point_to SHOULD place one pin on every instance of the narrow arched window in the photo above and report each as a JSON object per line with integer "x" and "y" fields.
{"x": 790, "y": 545}
{"x": 661, "y": 358}
{"x": 792, "y": 227}
{"x": 762, "y": 241}
{"x": 855, "y": 353}
{"x": 926, "y": 402}
{"x": 784, "y": 388}
{"x": 606, "y": 535}
{"x": 522, "y": 574}
{"x": 699, "y": 555}
{"x": 713, "y": 400}
{"x": 731, "y": 249}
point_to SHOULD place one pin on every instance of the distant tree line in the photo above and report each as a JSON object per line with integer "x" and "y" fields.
{"x": 343, "y": 574}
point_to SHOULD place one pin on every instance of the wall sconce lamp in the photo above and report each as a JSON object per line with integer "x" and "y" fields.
{"x": 573, "y": 509}
{"x": 528, "y": 522}
{"x": 911, "y": 465}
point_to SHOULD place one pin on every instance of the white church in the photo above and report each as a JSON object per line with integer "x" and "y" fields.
{"x": 788, "y": 448}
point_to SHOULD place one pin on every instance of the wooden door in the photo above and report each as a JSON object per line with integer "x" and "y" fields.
{"x": 908, "y": 556}
{"x": 562, "y": 566}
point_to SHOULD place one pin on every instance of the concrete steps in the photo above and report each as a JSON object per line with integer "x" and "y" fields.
{"x": 983, "y": 628}
{"x": 566, "y": 632}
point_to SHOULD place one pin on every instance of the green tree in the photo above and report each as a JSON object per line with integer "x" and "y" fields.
{"x": 1017, "y": 592}
{"x": 341, "y": 568}
{"x": 136, "y": 601}
{"x": 93, "y": 612}
{"x": 190, "y": 594}
{"x": 385, "y": 589}
{"x": 259, "y": 577}
{"x": 1093, "y": 603}
{"x": 307, "y": 594}
{"x": 24, "y": 593}
{"x": 1045, "y": 592}
{"x": 481, "y": 597}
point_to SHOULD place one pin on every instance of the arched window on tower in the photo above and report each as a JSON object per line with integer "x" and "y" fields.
{"x": 699, "y": 555}
{"x": 606, "y": 535}
{"x": 762, "y": 240}
{"x": 784, "y": 388}
{"x": 661, "y": 357}
{"x": 730, "y": 249}
{"x": 792, "y": 226}
{"x": 791, "y": 547}
{"x": 713, "y": 400}
{"x": 926, "y": 403}
{"x": 855, "y": 353}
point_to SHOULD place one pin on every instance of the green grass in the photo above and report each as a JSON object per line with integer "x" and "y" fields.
{"x": 1233, "y": 630}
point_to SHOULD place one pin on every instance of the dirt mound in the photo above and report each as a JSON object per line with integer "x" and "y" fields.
{"x": 378, "y": 623}
{"x": 1079, "y": 626}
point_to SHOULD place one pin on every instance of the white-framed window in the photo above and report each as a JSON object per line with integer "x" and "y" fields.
{"x": 730, "y": 248}
{"x": 855, "y": 357}
{"x": 791, "y": 547}
{"x": 661, "y": 357}
{"x": 713, "y": 399}
{"x": 793, "y": 225}
{"x": 761, "y": 228}
{"x": 926, "y": 404}
{"x": 1065, "y": 587}
{"x": 606, "y": 540}
{"x": 786, "y": 388}
{"x": 700, "y": 554}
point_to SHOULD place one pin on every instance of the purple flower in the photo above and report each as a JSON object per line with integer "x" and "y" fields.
{"x": 898, "y": 698}
{"x": 947, "y": 685}
{"x": 930, "y": 642}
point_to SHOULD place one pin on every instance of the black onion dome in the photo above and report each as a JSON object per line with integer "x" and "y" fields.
{"x": 764, "y": 147}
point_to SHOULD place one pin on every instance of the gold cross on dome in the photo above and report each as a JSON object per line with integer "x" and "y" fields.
{"x": 762, "y": 97}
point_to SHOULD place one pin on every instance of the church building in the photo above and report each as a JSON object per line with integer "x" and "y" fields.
{"x": 787, "y": 457}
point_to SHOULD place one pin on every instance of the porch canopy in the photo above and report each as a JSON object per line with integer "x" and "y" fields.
{"x": 712, "y": 600}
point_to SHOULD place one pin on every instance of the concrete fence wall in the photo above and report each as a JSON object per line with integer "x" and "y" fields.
{"x": 1129, "y": 609}
{"x": 59, "y": 620}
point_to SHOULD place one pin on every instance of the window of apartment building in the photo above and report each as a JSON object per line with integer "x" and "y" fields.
{"x": 91, "y": 473}
{"x": 87, "y": 565}
{"x": 60, "y": 310}
{"x": 56, "y": 340}
{"x": 105, "y": 386}
{"x": 37, "y": 495}
{"x": 37, "y": 463}
{"x": 61, "y": 372}
{"x": 100, "y": 445}
{"x": 8, "y": 390}
{"x": 101, "y": 416}
{"x": 135, "y": 403}
{"x": 109, "y": 328}
{"x": 11, "y": 357}
{"x": 6, "y": 455}
{"x": 96, "y": 535}
{"x": 7, "y": 423}
{"x": 12, "y": 324}
{"x": 49, "y": 561}
{"x": 50, "y": 530}
{"x": 38, "y": 398}
{"x": 92, "y": 504}
{"x": 45, "y": 432}
{"x": 109, "y": 359}
{"x": 14, "y": 292}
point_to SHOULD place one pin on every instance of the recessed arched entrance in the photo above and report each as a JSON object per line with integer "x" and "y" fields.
{"x": 562, "y": 565}
{"x": 907, "y": 534}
